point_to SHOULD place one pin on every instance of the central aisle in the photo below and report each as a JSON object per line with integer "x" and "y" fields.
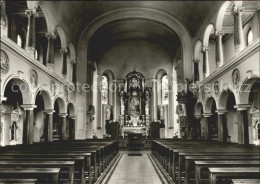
{"x": 134, "y": 168}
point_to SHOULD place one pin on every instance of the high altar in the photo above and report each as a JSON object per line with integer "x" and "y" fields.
{"x": 135, "y": 105}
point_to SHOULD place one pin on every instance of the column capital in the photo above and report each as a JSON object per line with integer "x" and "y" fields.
{"x": 29, "y": 107}
{"x": 237, "y": 10}
{"x": 153, "y": 80}
{"x": 2, "y": 98}
{"x": 63, "y": 115}
{"x": 205, "y": 49}
{"x": 64, "y": 51}
{"x": 49, "y": 111}
{"x": 32, "y": 12}
{"x": 207, "y": 115}
{"x": 198, "y": 116}
{"x": 221, "y": 111}
{"x": 219, "y": 33}
{"x": 74, "y": 61}
{"x": 72, "y": 117}
{"x": 51, "y": 35}
{"x": 196, "y": 60}
{"x": 242, "y": 107}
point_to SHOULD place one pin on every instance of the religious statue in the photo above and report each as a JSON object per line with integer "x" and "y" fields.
{"x": 134, "y": 105}
{"x": 236, "y": 78}
{"x": 134, "y": 83}
{"x": 108, "y": 113}
{"x": 146, "y": 108}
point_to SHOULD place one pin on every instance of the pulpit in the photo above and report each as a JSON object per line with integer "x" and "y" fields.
{"x": 135, "y": 105}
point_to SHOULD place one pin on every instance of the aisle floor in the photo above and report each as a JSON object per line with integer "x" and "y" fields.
{"x": 134, "y": 169}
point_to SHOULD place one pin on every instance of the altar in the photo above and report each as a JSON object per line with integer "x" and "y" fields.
{"x": 135, "y": 106}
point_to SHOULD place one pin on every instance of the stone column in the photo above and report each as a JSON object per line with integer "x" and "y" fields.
{"x": 239, "y": 40}
{"x": 219, "y": 49}
{"x": 198, "y": 127}
{"x": 31, "y": 32}
{"x": 115, "y": 101}
{"x": 242, "y": 124}
{"x": 196, "y": 70}
{"x": 28, "y": 124}
{"x": 50, "y": 50}
{"x": 205, "y": 52}
{"x": 155, "y": 105}
{"x": 74, "y": 70}
{"x": 3, "y": 18}
{"x": 97, "y": 100}
{"x": 48, "y": 135}
{"x": 63, "y": 126}
{"x": 72, "y": 127}
{"x": 207, "y": 126}
{"x": 64, "y": 53}
{"x": 221, "y": 113}
{"x": 171, "y": 103}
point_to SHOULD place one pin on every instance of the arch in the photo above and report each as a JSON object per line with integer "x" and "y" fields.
{"x": 24, "y": 87}
{"x": 208, "y": 104}
{"x": 245, "y": 89}
{"x": 198, "y": 109}
{"x": 139, "y": 13}
{"x": 221, "y": 14}
{"x": 61, "y": 103}
{"x": 46, "y": 97}
{"x": 72, "y": 51}
{"x": 50, "y": 21}
{"x": 197, "y": 50}
{"x": 63, "y": 38}
{"x": 71, "y": 110}
{"x": 222, "y": 102}
{"x": 206, "y": 35}
{"x": 109, "y": 74}
{"x": 159, "y": 74}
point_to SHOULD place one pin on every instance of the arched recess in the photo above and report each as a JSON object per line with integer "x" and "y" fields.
{"x": 24, "y": 87}
{"x": 110, "y": 76}
{"x": 158, "y": 76}
{"x": 72, "y": 51}
{"x": 43, "y": 102}
{"x": 139, "y": 13}
{"x": 50, "y": 20}
{"x": 245, "y": 89}
{"x": 208, "y": 31}
{"x": 220, "y": 15}
{"x": 61, "y": 103}
{"x": 208, "y": 105}
{"x": 198, "y": 112}
{"x": 223, "y": 97}
{"x": 59, "y": 109}
{"x": 63, "y": 38}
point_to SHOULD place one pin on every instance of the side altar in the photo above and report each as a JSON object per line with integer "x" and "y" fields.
{"x": 135, "y": 106}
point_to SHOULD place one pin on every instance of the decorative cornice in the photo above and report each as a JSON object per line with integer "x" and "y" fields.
{"x": 29, "y": 106}
{"x": 51, "y": 35}
{"x": 32, "y": 12}
{"x": 242, "y": 107}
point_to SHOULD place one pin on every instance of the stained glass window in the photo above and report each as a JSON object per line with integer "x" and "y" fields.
{"x": 104, "y": 90}
{"x": 19, "y": 41}
{"x": 165, "y": 89}
{"x": 249, "y": 37}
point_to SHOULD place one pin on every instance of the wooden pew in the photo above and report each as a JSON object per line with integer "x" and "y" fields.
{"x": 233, "y": 172}
{"x": 50, "y": 174}
{"x": 67, "y": 165}
{"x": 18, "y": 181}
{"x": 220, "y": 163}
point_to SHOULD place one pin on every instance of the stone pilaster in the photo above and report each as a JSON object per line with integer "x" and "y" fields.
{"x": 196, "y": 70}
{"x": 155, "y": 104}
{"x": 50, "y": 50}
{"x": 221, "y": 113}
{"x": 63, "y": 126}
{"x": 28, "y": 124}
{"x": 205, "y": 52}
{"x": 207, "y": 126}
{"x": 30, "y": 45}
{"x": 48, "y": 130}
{"x": 219, "y": 49}
{"x": 239, "y": 40}
{"x": 242, "y": 124}
{"x": 115, "y": 100}
{"x": 74, "y": 70}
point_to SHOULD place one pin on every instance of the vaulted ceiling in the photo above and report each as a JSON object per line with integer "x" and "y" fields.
{"x": 74, "y": 16}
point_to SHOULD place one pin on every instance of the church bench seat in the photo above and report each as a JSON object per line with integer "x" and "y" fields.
{"x": 18, "y": 181}
{"x": 233, "y": 173}
{"x": 64, "y": 165}
{"x": 52, "y": 175}
{"x": 246, "y": 181}
{"x": 199, "y": 165}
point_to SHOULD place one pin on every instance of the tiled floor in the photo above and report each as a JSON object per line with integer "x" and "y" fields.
{"x": 134, "y": 170}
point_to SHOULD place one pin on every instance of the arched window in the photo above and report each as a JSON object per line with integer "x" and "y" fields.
{"x": 165, "y": 89}
{"x": 104, "y": 90}
{"x": 19, "y": 41}
{"x": 249, "y": 36}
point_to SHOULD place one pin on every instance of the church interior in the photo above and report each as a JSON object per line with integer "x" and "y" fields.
{"x": 130, "y": 92}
